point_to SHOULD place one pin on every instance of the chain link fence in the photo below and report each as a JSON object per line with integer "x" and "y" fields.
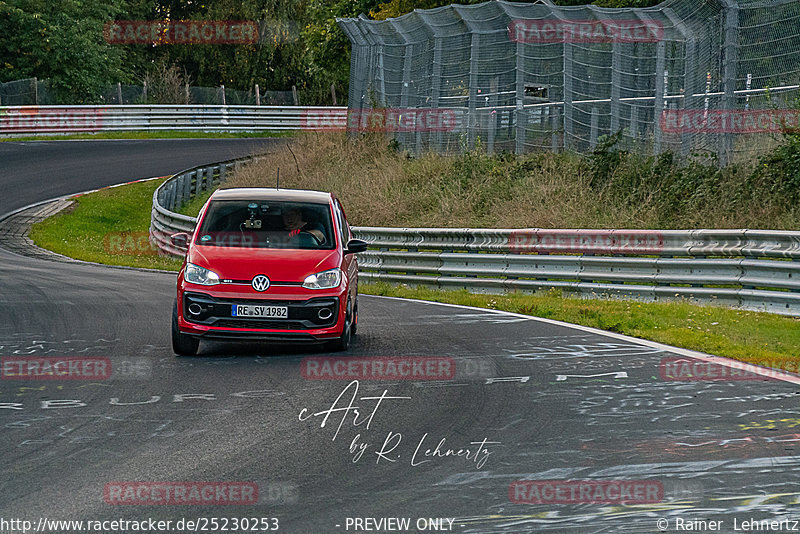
{"x": 34, "y": 92}
{"x": 685, "y": 76}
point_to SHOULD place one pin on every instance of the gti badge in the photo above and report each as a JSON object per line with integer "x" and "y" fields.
{"x": 260, "y": 283}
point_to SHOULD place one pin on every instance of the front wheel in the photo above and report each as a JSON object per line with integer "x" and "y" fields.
{"x": 342, "y": 342}
{"x": 182, "y": 344}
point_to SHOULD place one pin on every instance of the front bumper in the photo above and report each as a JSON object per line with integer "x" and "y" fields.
{"x": 309, "y": 320}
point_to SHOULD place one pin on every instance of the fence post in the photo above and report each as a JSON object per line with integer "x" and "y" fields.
{"x": 222, "y": 92}
{"x": 491, "y": 116}
{"x": 405, "y": 88}
{"x": 554, "y": 118}
{"x": 616, "y": 83}
{"x": 144, "y": 91}
{"x": 473, "y": 89}
{"x": 258, "y": 96}
{"x": 634, "y": 121}
{"x": 436, "y": 89}
{"x": 658, "y": 103}
{"x": 594, "y": 127}
{"x": 119, "y": 93}
{"x": 568, "y": 109}
{"x": 689, "y": 89}
{"x": 36, "y": 91}
{"x": 730, "y": 59}
{"x": 519, "y": 112}
{"x": 294, "y": 96}
{"x": 186, "y": 91}
{"x": 333, "y": 93}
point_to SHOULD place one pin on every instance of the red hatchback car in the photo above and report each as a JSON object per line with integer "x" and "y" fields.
{"x": 267, "y": 264}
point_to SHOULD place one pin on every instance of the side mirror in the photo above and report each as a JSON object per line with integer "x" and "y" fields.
{"x": 180, "y": 239}
{"x": 354, "y": 246}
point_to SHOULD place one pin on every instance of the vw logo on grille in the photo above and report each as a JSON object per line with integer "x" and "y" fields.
{"x": 260, "y": 283}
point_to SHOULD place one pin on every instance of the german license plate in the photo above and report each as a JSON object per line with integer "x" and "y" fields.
{"x": 242, "y": 310}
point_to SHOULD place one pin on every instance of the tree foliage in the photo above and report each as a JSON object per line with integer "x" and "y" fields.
{"x": 300, "y": 43}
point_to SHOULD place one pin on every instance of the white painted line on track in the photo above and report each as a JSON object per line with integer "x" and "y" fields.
{"x": 709, "y": 358}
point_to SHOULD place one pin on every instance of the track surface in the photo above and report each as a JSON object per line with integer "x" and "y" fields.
{"x": 723, "y": 450}
{"x": 39, "y": 170}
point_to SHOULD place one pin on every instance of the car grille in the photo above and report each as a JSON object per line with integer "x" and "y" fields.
{"x": 302, "y": 315}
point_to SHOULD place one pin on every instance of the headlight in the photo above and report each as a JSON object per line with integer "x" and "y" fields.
{"x": 195, "y": 274}
{"x": 323, "y": 280}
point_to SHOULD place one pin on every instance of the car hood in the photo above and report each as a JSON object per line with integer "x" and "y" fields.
{"x": 279, "y": 265}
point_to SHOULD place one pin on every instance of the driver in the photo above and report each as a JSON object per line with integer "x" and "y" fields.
{"x": 293, "y": 222}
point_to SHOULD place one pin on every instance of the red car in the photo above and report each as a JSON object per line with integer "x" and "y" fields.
{"x": 267, "y": 264}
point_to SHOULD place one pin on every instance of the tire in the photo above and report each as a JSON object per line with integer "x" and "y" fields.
{"x": 342, "y": 343}
{"x": 354, "y": 328}
{"x": 182, "y": 344}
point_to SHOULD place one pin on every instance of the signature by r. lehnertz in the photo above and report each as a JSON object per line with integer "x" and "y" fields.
{"x": 360, "y": 412}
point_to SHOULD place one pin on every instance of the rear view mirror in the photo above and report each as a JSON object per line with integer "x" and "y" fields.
{"x": 180, "y": 239}
{"x": 354, "y": 246}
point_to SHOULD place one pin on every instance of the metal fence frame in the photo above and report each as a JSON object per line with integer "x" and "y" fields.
{"x": 751, "y": 269}
{"x": 712, "y": 55}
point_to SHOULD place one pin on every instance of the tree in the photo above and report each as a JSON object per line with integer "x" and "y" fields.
{"x": 62, "y": 41}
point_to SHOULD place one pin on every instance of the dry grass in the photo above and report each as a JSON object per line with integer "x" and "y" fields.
{"x": 383, "y": 187}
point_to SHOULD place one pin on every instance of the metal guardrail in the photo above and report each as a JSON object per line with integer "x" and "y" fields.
{"x": 178, "y": 189}
{"x": 751, "y": 269}
{"x": 71, "y": 119}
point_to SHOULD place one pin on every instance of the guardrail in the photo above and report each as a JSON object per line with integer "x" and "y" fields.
{"x": 178, "y": 189}
{"x": 71, "y": 119}
{"x": 751, "y": 269}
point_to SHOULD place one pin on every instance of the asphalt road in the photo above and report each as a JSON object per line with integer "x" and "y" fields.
{"x": 529, "y": 399}
{"x": 40, "y": 170}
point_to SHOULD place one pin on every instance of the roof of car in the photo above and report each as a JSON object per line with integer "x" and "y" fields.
{"x": 268, "y": 193}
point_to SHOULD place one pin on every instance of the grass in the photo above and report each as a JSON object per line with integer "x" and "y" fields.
{"x": 109, "y": 226}
{"x": 758, "y": 338}
{"x": 168, "y": 134}
{"x": 610, "y": 188}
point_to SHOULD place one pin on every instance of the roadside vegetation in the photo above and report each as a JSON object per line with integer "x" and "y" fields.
{"x": 610, "y": 188}
{"x": 109, "y": 226}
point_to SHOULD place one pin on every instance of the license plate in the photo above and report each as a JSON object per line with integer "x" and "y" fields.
{"x": 240, "y": 310}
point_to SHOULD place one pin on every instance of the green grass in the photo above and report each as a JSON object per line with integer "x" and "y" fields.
{"x": 109, "y": 226}
{"x": 192, "y": 208}
{"x": 758, "y": 338}
{"x": 169, "y": 134}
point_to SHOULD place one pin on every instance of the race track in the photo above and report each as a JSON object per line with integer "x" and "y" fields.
{"x": 530, "y": 399}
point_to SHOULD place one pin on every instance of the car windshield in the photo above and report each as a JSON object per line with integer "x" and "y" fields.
{"x": 266, "y": 224}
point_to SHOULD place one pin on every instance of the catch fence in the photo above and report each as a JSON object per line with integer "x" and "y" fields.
{"x": 684, "y": 76}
